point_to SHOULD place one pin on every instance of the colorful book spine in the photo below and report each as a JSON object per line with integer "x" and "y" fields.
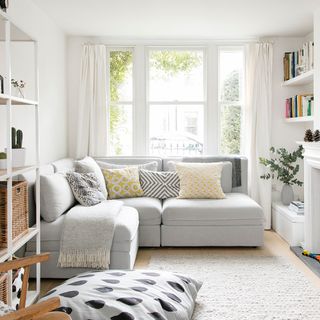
{"x": 299, "y": 106}
{"x": 298, "y": 62}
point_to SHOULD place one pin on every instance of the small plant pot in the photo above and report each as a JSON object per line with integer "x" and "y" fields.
{"x": 3, "y": 164}
{"x": 287, "y": 194}
{"x": 18, "y": 157}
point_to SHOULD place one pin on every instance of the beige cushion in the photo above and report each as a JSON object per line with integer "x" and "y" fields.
{"x": 123, "y": 183}
{"x": 200, "y": 180}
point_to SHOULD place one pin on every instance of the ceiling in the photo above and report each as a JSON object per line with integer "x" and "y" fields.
{"x": 192, "y": 19}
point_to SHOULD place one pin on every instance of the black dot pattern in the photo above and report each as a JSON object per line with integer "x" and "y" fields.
{"x": 127, "y": 295}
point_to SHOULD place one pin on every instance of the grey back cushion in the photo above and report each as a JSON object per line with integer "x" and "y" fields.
{"x": 56, "y": 196}
{"x": 226, "y": 174}
{"x": 63, "y": 165}
{"x": 131, "y": 161}
{"x": 151, "y": 166}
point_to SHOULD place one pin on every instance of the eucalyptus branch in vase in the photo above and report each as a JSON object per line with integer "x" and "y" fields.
{"x": 283, "y": 166}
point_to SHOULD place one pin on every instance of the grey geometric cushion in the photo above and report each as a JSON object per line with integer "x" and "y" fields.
{"x": 86, "y": 188}
{"x": 161, "y": 185}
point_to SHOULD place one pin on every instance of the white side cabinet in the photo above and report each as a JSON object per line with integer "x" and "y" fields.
{"x": 288, "y": 224}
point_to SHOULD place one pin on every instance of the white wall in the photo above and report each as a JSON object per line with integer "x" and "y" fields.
{"x": 53, "y": 110}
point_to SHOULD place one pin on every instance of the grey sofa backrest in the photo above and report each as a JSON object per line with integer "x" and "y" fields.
{"x": 131, "y": 160}
{"x": 244, "y": 169}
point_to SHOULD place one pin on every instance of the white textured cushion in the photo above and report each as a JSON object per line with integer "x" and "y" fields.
{"x": 200, "y": 180}
{"x": 89, "y": 165}
{"x": 152, "y": 166}
{"x": 56, "y": 196}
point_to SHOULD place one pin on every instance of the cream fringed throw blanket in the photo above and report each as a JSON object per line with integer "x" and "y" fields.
{"x": 87, "y": 235}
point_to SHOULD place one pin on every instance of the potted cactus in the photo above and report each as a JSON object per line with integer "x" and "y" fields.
{"x": 3, "y": 160}
{"x": 18, "y": 152}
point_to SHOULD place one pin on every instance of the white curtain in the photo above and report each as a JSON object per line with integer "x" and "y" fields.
{"x": 259, "y": 60}
{"x": 92, "y": 111}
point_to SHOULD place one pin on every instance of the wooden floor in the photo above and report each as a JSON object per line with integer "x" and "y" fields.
{"x": 274, "y": 246}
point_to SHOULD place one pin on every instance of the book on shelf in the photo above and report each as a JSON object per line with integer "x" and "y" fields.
{"x": 297, "y": 207}
{"x": 299, "y": 106}
{"x": 298, "y": 62}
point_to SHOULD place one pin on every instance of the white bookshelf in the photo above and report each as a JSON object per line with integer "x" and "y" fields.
{"x": 299, "y": 119}
{"x": 301, "y": 80}
{"x": 9, "y": 33}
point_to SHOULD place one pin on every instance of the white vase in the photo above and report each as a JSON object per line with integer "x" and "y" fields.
{"x": 18, "y": 92}
{"x": 18, "y": 157}
{"x": 287, "y": 194}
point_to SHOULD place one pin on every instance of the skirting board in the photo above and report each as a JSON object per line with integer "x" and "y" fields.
{"x": 313, "y": 264}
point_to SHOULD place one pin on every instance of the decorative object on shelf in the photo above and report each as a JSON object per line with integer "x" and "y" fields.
{"x": 316, "y": 136}
{"x": 308, "y": 136}
{"x": 18, "y": 152}
{"x": 4, "y": 4}
{"x": 3, "y": 160}
{"x": 285, "y": 166}
{"x": 18, "y": 85}
{"x": 1, "y": 84}
{"x": 20, "y": 214}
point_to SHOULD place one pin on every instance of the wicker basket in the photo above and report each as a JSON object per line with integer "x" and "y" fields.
{"x": 20, "y": 215}
{"x": 4, "y": 287}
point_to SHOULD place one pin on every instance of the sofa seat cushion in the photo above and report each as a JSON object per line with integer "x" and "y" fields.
{"x": 126, "y": 228}
{"x": 149, "y": 209}
{"x": 235, "y": 209}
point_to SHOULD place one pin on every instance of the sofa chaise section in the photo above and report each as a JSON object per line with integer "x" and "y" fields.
{"x": 236, "y": 220}
{"x": 123, "y": 252}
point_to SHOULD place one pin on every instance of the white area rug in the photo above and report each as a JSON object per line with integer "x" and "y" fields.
{"x": 245, "y": 287}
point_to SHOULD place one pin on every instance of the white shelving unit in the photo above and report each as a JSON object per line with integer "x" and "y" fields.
{"x": 302, "y": 79}
{"x": 9, "y": 33}
{"x": 299, "y": 119}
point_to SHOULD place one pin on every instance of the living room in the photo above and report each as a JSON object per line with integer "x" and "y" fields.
{"x": 159, "y": 160}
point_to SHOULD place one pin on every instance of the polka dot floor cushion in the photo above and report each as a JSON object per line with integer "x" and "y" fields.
{"x": 128, "y": 295}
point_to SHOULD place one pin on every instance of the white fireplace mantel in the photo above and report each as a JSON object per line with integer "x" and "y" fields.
{"x": 312, "y": 195}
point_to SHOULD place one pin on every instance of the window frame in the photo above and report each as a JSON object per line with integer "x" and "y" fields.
{"x": 149, "y": 103}
{"x": 240, "y": 103}
{"x": 141, "y": 103}
{"x": 110, "y": 103}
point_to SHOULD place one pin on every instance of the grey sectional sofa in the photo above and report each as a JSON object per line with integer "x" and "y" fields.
{"x": 149, "y": 222}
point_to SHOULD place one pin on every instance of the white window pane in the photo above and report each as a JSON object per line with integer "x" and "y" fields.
{"x": 230, "y": 126}
{"x": 120, "y": 130}
{"x": 231, "y": 75}
{"x": 121, "y": 76}
{"x": 176, "y": 129}
{"x": 176, "y": 75}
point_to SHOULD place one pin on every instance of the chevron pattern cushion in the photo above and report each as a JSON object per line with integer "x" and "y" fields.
{"x": 161, "y": 185}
